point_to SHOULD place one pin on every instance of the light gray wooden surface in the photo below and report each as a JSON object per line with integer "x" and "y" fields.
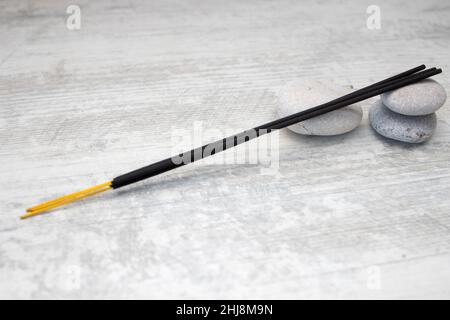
{"x": 353, "y": 216}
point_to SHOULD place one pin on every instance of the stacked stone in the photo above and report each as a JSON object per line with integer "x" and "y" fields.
{"x": 408, "y": 114}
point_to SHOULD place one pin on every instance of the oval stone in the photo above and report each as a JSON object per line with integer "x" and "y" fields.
{"x": 417, "y": 99}
{"x": 412, "y": 129}
{"x": 300, "y": 95}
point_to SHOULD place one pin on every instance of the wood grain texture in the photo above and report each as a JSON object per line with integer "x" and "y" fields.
{"x": 80, "y": 107}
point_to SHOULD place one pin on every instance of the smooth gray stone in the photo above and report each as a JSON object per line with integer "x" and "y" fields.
{"x": 303, "y": 94}
{"x": 421, "y": 98}
{"x": 412, "y": 129}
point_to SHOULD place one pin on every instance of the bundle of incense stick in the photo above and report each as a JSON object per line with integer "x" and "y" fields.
{"x": 400, "y": 80}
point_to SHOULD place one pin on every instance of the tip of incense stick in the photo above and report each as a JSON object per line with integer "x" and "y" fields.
{"x": 27, "y": 215}
{"x": 52, "y": 204}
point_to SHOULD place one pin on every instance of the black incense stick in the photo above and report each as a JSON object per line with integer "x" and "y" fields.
{"x": 229, "y": 142}
{"x": 389, "y": 84}
{"x": 357, "y": 96}
{"x": 351, "y": 95}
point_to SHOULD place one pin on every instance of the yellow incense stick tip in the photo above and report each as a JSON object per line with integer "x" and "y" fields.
{"x": 45, "y": 206}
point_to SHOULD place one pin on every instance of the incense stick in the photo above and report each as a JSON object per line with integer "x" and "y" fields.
{"x": 232, "y": 141}
{"x": 389, "y": 84}
{"x": 67, "y": 199}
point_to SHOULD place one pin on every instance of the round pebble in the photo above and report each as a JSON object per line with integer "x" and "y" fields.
{"x": 304, "y": 94}
{"x": 421, "y": 98}
{"x": 412, "y": 129}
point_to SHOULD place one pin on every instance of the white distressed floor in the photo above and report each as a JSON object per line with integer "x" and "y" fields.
{"x": 353, "y": 216}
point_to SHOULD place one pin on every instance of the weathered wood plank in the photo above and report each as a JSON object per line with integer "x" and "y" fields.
{"x": 79, "y": 107}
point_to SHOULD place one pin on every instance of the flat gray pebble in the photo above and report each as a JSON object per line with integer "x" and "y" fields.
{"x": 421, "y": 98}
{"x": 412, "y": 129}
{"x": 303, "y": 94}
